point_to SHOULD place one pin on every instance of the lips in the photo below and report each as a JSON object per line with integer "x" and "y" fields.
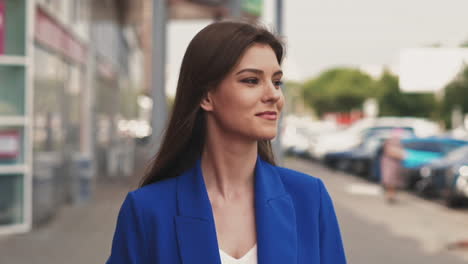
{"x": 269, "y": 115}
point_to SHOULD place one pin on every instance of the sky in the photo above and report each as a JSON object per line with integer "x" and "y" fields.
{"x": 368, "y": 34}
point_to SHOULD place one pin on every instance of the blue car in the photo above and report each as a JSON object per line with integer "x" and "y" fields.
{"x": 439, "y": 177}
{"x": 422, "y": 151}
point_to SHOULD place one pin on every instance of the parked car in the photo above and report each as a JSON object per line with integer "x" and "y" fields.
{"x": 458, "y": 191}
{"x": 439, "y": 176}
{"x": 351, "y": 137}
{"x": 364, "y": 159}
{"x": 298, "y": 132}
{"x": 422, "y": 151}
{"x": 359, "y": 159}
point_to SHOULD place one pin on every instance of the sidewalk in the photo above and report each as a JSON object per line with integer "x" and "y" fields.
{"x": 78, "y": 234}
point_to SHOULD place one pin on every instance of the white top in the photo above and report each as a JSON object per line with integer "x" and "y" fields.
{"x": 249, "y": 257}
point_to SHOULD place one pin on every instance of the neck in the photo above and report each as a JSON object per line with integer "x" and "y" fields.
{"x": 228, "y": 165}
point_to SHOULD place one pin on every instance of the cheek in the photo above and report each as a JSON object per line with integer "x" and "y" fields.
{"x": 239, "y": 111}
{"x": 280, "y": 103}
{"x": 236, "y": 112}
{"x": 242, "y": 103}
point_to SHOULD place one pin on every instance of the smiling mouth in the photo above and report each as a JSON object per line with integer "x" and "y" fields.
{"x": 269, "y": 115}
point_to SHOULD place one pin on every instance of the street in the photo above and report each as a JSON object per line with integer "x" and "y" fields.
{"x": 411, "y": 231}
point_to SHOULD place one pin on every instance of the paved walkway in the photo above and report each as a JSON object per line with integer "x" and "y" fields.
{"x": 79, "y": 234}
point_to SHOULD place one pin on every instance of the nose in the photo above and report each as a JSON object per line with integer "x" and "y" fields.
{"x": 272, "y": 93}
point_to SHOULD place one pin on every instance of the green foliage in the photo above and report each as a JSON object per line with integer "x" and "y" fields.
{"x": 338, "y": 90}
{"x": 344, "y": 89}
{"x": 464, "y": 44}
{"x": 456, "y": 94}
{"x": 393, "y": 102}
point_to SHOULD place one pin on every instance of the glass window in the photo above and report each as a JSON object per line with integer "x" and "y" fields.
{"x": 49, "y": 83}
{"x": 74, "y": 104}
{"x": 11, "y": 199}
{"x": 14, "y": 27}
{"x": 12, "y": 90}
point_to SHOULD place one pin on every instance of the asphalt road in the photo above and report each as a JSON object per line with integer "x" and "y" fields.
{"x": 411, "y": 231}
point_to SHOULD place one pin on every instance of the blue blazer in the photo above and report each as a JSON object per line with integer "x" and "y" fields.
{"x": 171, "y": 221}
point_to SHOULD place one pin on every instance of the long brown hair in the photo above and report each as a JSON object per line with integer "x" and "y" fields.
{"x": 210, "y": 56}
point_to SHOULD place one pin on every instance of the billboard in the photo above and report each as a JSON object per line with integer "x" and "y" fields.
{"x": 430, "y": 69}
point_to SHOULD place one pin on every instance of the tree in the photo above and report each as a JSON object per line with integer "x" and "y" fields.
{"x": 393, "y": 102}
{"x": 456, "y": 94}
{"x": 338, "y": 90}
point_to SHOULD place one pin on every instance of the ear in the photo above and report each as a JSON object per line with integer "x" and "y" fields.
{"x": 207, "y": 103}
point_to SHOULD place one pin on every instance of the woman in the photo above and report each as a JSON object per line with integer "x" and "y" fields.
{"x": 213, "y": 193}
{"x": 393, "y": 154}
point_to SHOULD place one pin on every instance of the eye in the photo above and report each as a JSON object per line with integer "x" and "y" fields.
{"x": 278, "y": 83}
{"x": 250, "y": 81}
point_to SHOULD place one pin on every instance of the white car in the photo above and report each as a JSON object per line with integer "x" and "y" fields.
{"x": 351, "y": 137}
{"x": 299, "y": 133}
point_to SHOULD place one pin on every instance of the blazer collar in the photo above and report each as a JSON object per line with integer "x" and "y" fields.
{"x": 275, "y": 218}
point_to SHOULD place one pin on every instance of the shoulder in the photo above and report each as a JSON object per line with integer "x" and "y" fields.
{"x": 300, "y": 184}
{"x": 159, "y": 195}
{"x": 293, "y": 177}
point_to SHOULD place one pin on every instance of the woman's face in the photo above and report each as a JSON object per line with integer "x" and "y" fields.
{"x": 249, "y": 100}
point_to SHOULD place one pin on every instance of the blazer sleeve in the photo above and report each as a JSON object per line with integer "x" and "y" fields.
{"x": 331, "y": 244}
{"x": 128, "y": 245}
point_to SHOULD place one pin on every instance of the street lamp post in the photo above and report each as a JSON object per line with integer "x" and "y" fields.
{"x": 158, "y": 93}
{"x": 279, "y": 28}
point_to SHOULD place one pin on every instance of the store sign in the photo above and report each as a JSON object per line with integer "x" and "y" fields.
{"x": 53, "y": 35}
{"x": 430, "y": 69}
{"x": 2, "y": 27}
{"x": 9, "y": 144}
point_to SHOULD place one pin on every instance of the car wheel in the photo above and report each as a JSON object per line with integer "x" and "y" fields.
{"x": 451, "y": 199}
{"x": 342, "y": 164}
{"x": 424, "y": 189}
{"x": 358, "y": 168}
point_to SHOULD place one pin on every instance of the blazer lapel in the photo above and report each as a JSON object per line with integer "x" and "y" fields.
{"x": 274, "y": 210}
{"x": 275, "y": 217}
{"x": 196, "y": 232}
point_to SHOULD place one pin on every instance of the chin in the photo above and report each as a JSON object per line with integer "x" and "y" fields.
{"x": 267, "y": 135}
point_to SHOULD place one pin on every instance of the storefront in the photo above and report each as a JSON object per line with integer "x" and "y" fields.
{"x": 59, "y": 82}
{"x": 15, "y": 116}
{"x": 107, "y": 93}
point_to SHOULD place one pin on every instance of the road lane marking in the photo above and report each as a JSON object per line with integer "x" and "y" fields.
{"x": 364, "y": 189}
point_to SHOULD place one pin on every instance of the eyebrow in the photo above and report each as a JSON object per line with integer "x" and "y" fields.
{"x": 257, "y": 71}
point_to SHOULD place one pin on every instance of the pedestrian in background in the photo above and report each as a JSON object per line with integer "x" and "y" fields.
{"x": 213, "y": 193}
{"x": 393, "y": 154}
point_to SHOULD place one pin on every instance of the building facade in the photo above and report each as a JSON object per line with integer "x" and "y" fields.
{"x": 63, "y": 71}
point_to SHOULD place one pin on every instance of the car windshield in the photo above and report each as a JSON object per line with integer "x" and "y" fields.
{"x": 386, "y": 131}
{"x": 432, "y": 146}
